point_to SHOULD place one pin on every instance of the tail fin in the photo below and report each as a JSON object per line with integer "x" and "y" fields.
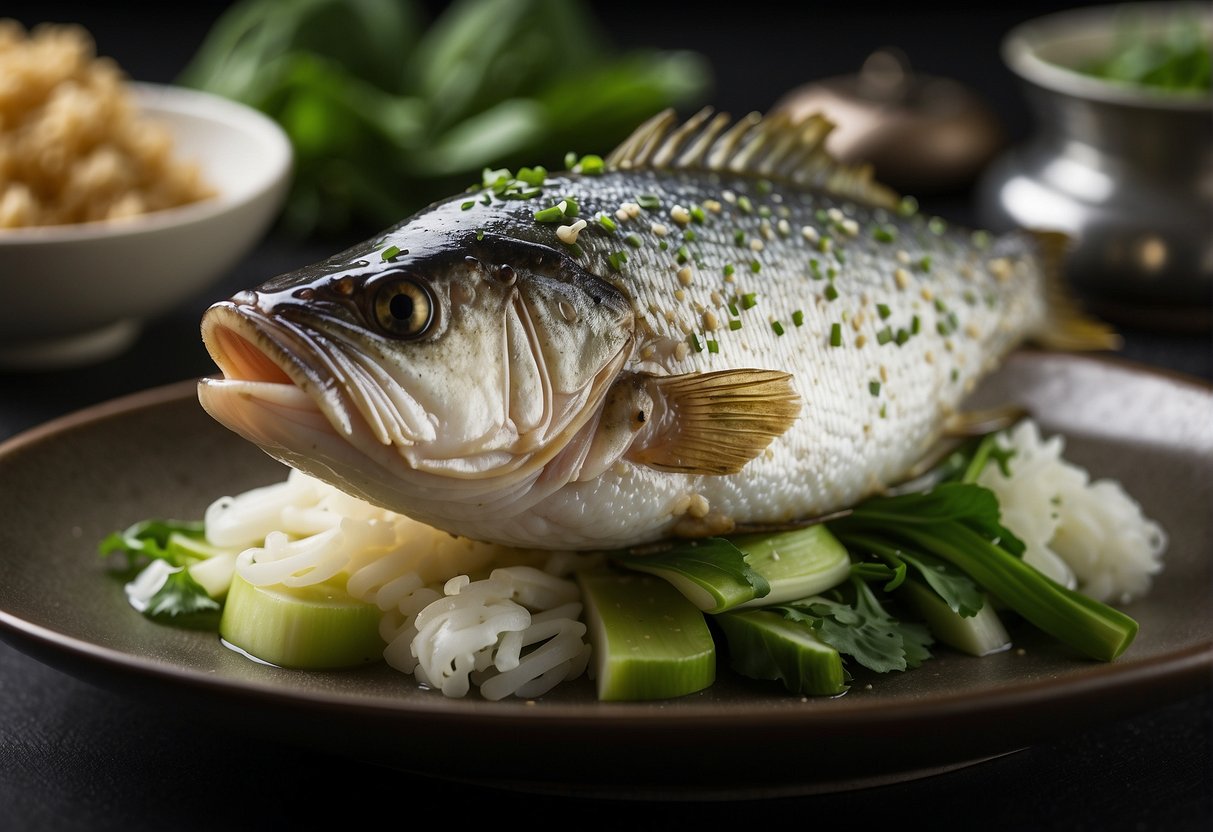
{"x": 1067, "y": 326}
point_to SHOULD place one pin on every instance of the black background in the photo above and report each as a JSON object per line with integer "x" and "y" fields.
{"x": 74, "y": 756}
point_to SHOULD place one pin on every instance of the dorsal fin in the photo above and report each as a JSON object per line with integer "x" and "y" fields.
{"x": 773, "y": 147}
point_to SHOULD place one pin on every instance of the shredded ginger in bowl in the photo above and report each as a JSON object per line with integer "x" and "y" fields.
{"x": 73, "y": 147}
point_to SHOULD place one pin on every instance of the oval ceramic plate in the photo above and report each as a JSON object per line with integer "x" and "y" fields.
{"x": 158, "y": 454}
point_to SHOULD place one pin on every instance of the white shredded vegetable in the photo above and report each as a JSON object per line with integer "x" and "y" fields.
{"x": 1084, "y": 534}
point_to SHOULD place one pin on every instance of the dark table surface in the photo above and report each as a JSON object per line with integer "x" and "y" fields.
{"x": 76, "y": 756}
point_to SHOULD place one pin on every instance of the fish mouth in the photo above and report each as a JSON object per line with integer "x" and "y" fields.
{"x": 267, "y": 393}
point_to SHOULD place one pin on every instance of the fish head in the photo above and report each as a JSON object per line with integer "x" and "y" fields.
{"x": 446, "y": 374}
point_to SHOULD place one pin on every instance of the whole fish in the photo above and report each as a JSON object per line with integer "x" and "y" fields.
{"x": 716, "y": 328}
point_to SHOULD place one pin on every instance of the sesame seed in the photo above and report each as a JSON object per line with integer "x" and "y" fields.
{"x": 680, "y": 215}
{"x": 809, "y": 233}
{"x": 712, "y": 205}
{"x": 698, "y": 506}
{"x": 568, "y": 233}
{"x": 850, "y": 227}
{"x": 728, "y": 196}
{"x": 903, "y": 257}
{"x": 716, "y": 299}
{"x": 681, "y": 350}
{"x": 929, "y": 357}
{"x": 710, "y": 321}
{"x": 902, "y": 277}
{"x": 861, "y": 339}
{"x": 659, "y": 229}
{"x": 835, "y": 215}
{"x": 684, "y": 275}
{"x": 884, "y": 373}
{"x": 784, "y": 228}
{"x": 1000, "y": 268}
{"x": 756, "y": 245}
{"x": 972, "y": 331}
{"x": 766, "y": 231}
{"x": 627, "y": 211}
{"x": 927, "y": 294}
{"x": 679, "y": 294}
{"x": 647, "y": 351}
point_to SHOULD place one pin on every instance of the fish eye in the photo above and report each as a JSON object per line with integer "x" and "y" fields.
{"x": 404, "y": 308}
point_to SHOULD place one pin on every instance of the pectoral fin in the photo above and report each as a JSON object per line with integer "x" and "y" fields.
{"x": 714, "y": 423}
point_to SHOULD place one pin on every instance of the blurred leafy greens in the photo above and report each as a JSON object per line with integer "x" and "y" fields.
{"x": 1177, "y": 59}
{"x": 388, "y": 112}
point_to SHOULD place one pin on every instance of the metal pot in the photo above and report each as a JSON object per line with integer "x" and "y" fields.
{"x": 1125, "y": 170}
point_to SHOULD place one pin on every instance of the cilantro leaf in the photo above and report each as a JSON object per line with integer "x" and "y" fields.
{"x": 953, "y": 586}
{"x": 863, "y": 630}
{"x": 182, "y": 602}
{"x": 152, "y": 540}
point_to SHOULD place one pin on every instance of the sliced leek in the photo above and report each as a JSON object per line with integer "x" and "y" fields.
{"x": 766, "y": 645}
{"x": 649, "y": 641}
{"x": 312, "y": 628}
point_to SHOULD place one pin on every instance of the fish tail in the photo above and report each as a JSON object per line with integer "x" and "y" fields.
{"x": 1067, "y": 326}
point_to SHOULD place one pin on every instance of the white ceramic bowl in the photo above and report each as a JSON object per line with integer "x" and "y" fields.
{"x": 76, "y": 294}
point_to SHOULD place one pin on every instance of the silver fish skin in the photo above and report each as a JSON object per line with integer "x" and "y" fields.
{"x": 694, "y": 343}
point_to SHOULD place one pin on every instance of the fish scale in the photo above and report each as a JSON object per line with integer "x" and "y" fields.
{"x": 883, "y": 320}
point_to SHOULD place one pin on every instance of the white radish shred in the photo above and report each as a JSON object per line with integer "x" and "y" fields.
{"x": 1084, "y": 534}
{"x": 515, "y": 632}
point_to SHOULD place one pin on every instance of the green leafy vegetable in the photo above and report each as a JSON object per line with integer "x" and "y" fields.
{"x": 388, "y": 111}
{"x": 862, "y": 629}
{"x": 182, "y": 602}
{"x": 713, "y": 574}
{"x": 154, "y": 539}
{"x": 959, "y": 522}
{"x": 1176, "y": 59}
